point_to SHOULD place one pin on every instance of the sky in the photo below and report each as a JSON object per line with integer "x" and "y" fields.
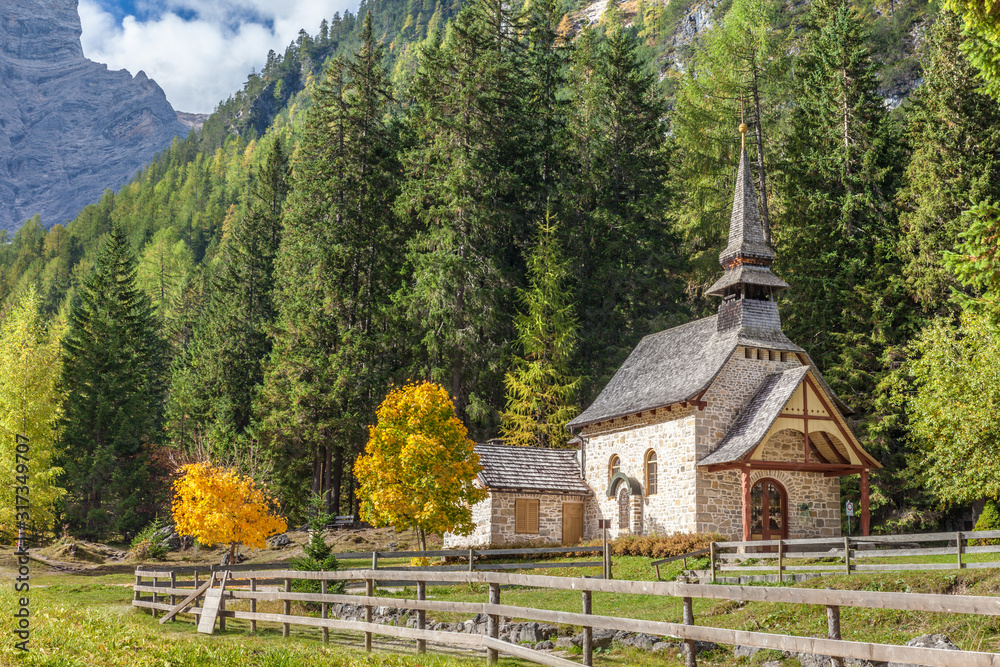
{"x": 199, "y": 51}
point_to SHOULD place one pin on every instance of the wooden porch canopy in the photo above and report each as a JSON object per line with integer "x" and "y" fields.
{"x": 794, "y": 399}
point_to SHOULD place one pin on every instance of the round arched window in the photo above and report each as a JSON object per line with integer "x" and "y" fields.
{"x": 615, "y": 466}
{"x": 651, "y": 481}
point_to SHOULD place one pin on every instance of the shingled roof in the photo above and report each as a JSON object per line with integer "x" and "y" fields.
{"x": 674, "y": 366}
{"x": 530, "y": 469}
{"x": 756, "y": 419}
{"x": 746, "y": 232}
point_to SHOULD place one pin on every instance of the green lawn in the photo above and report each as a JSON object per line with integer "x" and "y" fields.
{"x": 88, "y": 620}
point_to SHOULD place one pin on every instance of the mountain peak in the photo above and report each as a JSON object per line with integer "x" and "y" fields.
{"x": 40, "y": 32}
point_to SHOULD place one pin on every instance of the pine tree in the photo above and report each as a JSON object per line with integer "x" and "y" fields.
{"x": 113, "y": 368}
{"x": 335, "y": 343}
{"x": 541, "y": 391}
{"x": 955, "y": 134}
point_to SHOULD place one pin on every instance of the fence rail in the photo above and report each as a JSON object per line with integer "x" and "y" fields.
{"x": 849, "y": 550}
{"x": 686, "y": 631}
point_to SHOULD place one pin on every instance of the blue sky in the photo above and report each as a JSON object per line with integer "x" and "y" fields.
{"x": 199, "y": 51}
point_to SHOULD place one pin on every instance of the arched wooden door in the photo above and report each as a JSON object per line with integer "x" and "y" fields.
{"x": 768, "y": 511}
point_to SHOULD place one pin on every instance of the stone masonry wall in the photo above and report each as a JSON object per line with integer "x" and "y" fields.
{"x": 494, "y": 519}
{"x": 480, "y": 537}
{"x": 669, "y": 433}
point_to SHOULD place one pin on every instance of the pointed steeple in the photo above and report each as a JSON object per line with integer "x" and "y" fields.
{"x": 747, "y": 261}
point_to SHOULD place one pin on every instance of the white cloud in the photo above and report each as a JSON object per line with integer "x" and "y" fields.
{"x": 202, "y": 61}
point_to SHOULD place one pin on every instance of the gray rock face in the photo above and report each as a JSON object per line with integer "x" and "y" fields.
{"x": 69, "y": 127}
{"x": 927, "y": 641}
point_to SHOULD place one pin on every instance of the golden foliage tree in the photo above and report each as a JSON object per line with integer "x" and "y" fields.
{"x": 419, "y": 465}
{"x": 29, "y": 408}
{"x": 220, "y": 506}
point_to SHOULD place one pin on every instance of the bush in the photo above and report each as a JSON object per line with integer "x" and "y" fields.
{"x": 661, "y": 546}
{"x": 150, "y": 543}
{"x": 318, "y": 554}
{"x": 989, "y": 519}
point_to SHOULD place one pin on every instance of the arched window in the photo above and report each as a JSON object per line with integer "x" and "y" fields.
{"x": 615, "y": 466}
{"x": 651, "y": 473}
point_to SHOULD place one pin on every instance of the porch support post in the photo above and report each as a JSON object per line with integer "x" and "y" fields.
{"x": 745, "y": 480}
{"x": 865, "y": 516}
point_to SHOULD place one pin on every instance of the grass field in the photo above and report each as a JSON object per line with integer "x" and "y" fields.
{"x": 87, "y": 619}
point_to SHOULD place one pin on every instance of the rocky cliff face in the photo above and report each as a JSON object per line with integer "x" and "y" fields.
{"x": 69, "y": 127}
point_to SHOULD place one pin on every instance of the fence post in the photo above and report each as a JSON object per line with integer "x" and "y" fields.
{"x": 493, "y": 624}
{"x": 138, "y": 582}
{"x": 286, "y": 627}
{"x": 173, "y": 584}
{"x": 374, "y": 560}
{"x": 781, "y": 560}
{"x": 833, "y": 625}
{"x": 711, "y": 559}
{"x": 847, "y": 555}
{"x": 689, "y": 657}
{"x": 471, "y": 558}
{"x": 154, "y": 597}
{"x": 369, "y": 591}
{"x": 588, "y": 632}
{"x": 958, "y": 548}
{"x": 325, "y": 612}
{"x": 253, "y": 603}
{"x": 195, "y": 602}
{"x": 421, "y": 616}
{"x": 222, "y": 607}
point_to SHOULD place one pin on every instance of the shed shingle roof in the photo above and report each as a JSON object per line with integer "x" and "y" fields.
{"x": 508, "y": 468}
{"x": 756, "y": 419}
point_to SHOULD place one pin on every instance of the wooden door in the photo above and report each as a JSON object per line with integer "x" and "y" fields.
{"x": 572, "y": 523}
{"x": 768, "y": 511}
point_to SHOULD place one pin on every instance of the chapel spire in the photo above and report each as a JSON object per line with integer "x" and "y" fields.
{"x": 747, "y": 257}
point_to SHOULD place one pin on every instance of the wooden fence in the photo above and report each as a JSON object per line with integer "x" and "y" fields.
{"x": 165, "y": 586}
{"x": 770, "y": 555}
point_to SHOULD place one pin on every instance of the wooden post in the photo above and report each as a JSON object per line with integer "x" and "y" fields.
{"x": 471, "y": 560}
{"x": 173, "y": 583}
{"x": 153, "y": 611}
{"x": 138, "y": 582}
{"x": 745, "y": 483}
{"x": 421, "y": 616}
{"x": 286, "y": 627}
{"x": 833, "y": 626}
{"x": 493, "y": 624}
{"x": 369, "y": 591}
{"x": 606, "y": 554}
{"x": 588, "y": 632}
{"x": 847, "y": 555}
{"x": 374, "y": 560}
{"x": 196, "y": 584}
{"x": 958, "y": 548}
{"x": 325, "y": 612}
{"x": 865, "y": 514}
{"x": 781, "y": 560}
{"x": 253, "y": 603}
{"x": 689, "y": 657}
{"x": 222, "y": 607}
{"x": 711, "y": 559}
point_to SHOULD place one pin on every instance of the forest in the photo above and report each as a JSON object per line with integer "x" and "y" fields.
{"x": 503, "y": 199}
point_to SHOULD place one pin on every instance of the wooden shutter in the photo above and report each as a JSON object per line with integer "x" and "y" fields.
{"x": 525, "y": 516}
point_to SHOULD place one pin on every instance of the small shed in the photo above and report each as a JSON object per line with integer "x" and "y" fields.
{"x": 536, "y": 495}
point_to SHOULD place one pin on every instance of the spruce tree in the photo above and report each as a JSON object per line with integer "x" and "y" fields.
{"x": 541, "y": 390}
{"x": 113, "y": 378}
{"x": 955, "y": 133}
{"x": 335, "y": 341}
{"x": 214, "y": 382}
{"x": 615, "y": 201}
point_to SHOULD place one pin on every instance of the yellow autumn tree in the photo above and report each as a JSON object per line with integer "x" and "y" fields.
{"x": 419, "y": 465}
{"x": 220, "y": 506}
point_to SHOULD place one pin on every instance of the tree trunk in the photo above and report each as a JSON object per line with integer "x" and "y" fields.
{"x": 326, "y": 477}
{"x": 338, "y": 472}
{"x": 232, "y": 553}
{"x": 421, "y": 539}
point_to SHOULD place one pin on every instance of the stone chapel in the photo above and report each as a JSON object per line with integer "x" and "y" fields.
{"x": 719, "y": 425}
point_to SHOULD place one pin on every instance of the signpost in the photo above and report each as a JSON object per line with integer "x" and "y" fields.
{"x": 850, "y": 513}
{"x": 603, "y": 524}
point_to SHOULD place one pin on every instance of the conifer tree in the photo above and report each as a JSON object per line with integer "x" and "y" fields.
{"x": 215, "y": 380}
{"x": 541, "y": 390}
{"x": 615, "y": 200}
{"x": 338, "y": 267}
{"x": 955, "y": 134}
{"x": 465, "y": 187}
{"x": 113, "y": 377}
